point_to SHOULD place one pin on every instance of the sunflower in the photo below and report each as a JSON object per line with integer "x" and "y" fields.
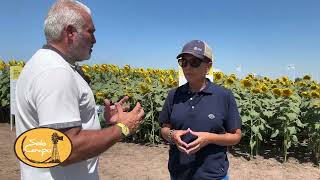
{"x": 313, "y": 87}
{"x": 266, "y": 79}
{"x": 2, "y": 65}
{"x": 276, "y": 91}
{"x": 116, "y": 69}
{"x": 264, "y": 88}
{"x": 172, "y": 72}
{"x": 172, "y": 82}
{"x": 162, "y": 80}
{"x": 317, "y": 105}
{"x": 273, "y": 86}
{"x": 314, "y": 94}
{"x": 302, "y": 83}
{"x": 218, "y": 75}
{"x": 126, "y": 69}
{"x": 84, "y": 70}
{"x": 305, "y": 94}
{"x": 233, "y": 76}
{"x": 85, "y": 67}
{"x": 246, "y": 83}
{"x": 256, "y": 90}
{"x": 99, "y": 94}
{"x": 12, "y": 62}
{"x": 144, "y": 88}
{"x": 148, "y": 80}
{"x": 123, "y": 80}
{"x": 21, "y": 63}
{"x": 230, "y": 80}
{"x": 307, "y": 77}
{"x": 285, "y": 79}
{"x": 95, "y": 67}
{"x": 250, "y": 76}
{"x": 103, "y": 67}
{"x": 286, "y": 92}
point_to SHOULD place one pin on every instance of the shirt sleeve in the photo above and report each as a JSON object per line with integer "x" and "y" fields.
{"x": 57, "y": 99}
{"x": 233, "y": 121}
{"x": 164, "y": 115}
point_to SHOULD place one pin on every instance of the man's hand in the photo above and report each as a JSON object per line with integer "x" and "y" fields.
{"x": 111, "y": 115}
{"x": 131, "y": 119}
{"x": 176, "y": 138}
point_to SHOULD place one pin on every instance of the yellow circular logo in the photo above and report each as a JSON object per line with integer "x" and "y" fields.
{"x": 43, "y": 147}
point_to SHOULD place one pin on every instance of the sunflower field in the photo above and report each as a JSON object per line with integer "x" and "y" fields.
{"x": 276, "y": 112}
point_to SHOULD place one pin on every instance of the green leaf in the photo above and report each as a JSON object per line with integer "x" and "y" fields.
{"x": 148, "y": 115}
{"x": 252, "y": 144}
{"x": 269, "y": 114}
{"x": 245, "y": 118}
{"x": 261, "y": 127}
{"x": 275, "y": 133}
{"x": 254, "y": 114}
{"x": 288, "y": 145}
{"x": 299, "y": 123}
{"x": 159, "y": 109}
{"x": 292, "y": 116}
{"x": 282, "y": 118}
{"x": 292, "y": 130}
{"x": 260, "y": 136}
{"x": 255, "y": 129}
{"x": 295, "y": 139}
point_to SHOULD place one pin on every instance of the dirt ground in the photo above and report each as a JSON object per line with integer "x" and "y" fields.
{"x": 126, "y": 161}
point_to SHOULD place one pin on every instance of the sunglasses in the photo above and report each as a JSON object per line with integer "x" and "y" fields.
{"x": 193, "y": 62}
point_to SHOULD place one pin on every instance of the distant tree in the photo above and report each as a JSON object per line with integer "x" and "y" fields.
{"x": 297, "y": 79}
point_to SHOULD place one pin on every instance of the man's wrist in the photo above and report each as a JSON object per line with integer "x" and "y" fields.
{"x": 124, "y": 129}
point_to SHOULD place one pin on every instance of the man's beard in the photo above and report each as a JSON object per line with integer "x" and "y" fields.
{"x": 76, "y": 50}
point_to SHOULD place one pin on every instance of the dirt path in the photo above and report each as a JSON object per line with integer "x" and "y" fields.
{"x": 131, "y": 161}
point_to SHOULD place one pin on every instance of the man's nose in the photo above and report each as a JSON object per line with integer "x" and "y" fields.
{"x": 93, "y": 39}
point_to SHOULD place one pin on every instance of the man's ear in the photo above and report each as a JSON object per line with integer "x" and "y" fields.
{"x": 70, "y": 31}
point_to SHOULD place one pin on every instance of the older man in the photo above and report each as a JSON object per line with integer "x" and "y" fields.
{"x": 51, "y": 93}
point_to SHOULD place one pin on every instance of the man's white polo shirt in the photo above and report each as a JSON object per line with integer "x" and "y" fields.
{"x": 50, "y": 93}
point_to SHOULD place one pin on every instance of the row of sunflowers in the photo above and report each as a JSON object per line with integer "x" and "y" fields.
{"x": 277, "y": 114}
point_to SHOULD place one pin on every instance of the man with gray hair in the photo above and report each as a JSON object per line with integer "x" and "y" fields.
{"x": 52, "y": 93}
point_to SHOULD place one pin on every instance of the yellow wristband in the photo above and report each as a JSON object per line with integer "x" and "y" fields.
{"x": 124, "y": 129}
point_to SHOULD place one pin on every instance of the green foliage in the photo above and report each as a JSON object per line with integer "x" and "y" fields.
{"x": 4, "y": 95}
{"x": 271, "y": 110}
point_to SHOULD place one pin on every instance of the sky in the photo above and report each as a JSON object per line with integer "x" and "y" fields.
{"x": 247, "y": 36}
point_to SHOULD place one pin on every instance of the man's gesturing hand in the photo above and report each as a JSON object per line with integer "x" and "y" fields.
{"x": 131, "y": 119}
{"x": 111, "y": 112}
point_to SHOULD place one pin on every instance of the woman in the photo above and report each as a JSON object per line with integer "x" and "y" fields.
{"x": 199, "y": 119}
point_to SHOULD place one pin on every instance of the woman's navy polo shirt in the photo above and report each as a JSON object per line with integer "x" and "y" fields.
{"x": 214, "y": 110}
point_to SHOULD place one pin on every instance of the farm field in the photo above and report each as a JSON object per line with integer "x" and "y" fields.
{"x": 128, "y": 161}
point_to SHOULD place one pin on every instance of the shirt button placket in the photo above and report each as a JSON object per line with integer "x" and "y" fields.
{"x": 190, "y": 101}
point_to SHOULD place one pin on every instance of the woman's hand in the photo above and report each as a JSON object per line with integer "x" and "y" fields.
{"x": 176, "y": 138}
{"x": 200, "y": 142}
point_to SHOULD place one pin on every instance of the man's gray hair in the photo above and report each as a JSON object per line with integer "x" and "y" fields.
{"x": 62, "y": 14}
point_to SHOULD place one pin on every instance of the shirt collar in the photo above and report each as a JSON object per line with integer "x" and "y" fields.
{"x": 48, "y": 46}
{"x": 74, "y": 66}
{"x": 209, "y": 89}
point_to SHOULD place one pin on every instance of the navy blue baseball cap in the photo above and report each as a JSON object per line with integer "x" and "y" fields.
{"x": 197, "y": 48}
